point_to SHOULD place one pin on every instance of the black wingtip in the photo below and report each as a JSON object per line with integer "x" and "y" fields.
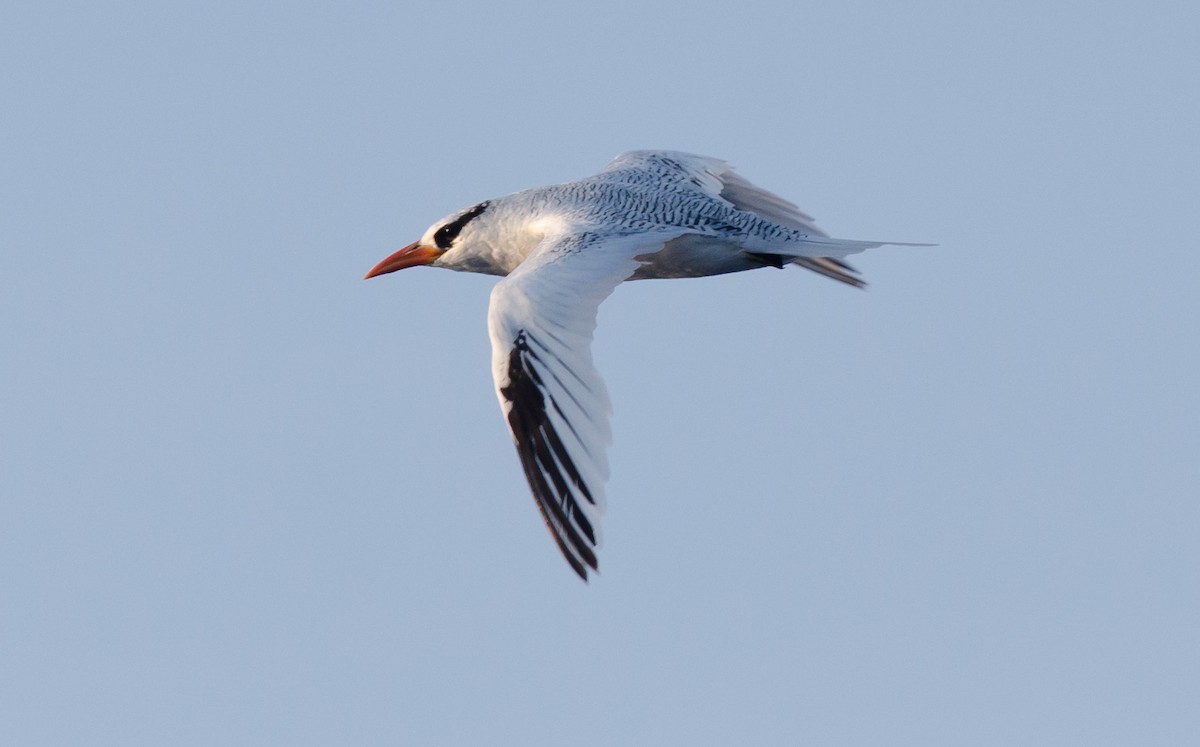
{"x": 549, "y": 468}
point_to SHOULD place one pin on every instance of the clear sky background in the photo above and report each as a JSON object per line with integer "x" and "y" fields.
{"x": 248, "y": 498}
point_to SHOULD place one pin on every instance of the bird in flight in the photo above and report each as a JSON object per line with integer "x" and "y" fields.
{"x": 562, "y": 249}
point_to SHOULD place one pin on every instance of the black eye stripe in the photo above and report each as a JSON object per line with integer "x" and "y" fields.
{"x": 446, "y": 235}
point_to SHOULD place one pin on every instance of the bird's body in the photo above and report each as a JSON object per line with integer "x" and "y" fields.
{"x": 562, "y": 250}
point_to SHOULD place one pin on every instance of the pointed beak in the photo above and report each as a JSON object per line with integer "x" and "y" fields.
{"x": 412, "y": 255}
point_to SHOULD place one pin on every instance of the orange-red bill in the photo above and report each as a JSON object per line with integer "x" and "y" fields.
{"x": 412, "y": 255}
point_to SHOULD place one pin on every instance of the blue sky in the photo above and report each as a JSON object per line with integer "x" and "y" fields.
{"x": 247, "y": 498}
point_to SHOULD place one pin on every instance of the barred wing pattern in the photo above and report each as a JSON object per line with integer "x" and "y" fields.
{"x": 716, "y": 178}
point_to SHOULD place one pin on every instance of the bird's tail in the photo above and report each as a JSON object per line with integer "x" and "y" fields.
{"x": 831, "y": 268}
{"x": 827, "y": 246}
{"x": 823, "y": 255}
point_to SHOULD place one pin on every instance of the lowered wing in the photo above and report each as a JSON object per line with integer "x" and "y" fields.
{"x": 541, "y": 320}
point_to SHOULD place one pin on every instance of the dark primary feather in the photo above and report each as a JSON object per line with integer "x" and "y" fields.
{"x": 548, "y": 465}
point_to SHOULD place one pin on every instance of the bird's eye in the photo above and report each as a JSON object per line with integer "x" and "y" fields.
{"x": 446, "y": 235}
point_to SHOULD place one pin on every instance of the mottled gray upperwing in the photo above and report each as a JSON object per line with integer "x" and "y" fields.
{"x": 716, "y": 178}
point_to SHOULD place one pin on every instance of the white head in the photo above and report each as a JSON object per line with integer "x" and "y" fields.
{"x": 448, "y": 242}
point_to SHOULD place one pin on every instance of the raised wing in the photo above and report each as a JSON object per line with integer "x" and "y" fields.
{"x": 718, "y": 179}
{"x": 711, "y": 176}
{"x": 541, "y": 321}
